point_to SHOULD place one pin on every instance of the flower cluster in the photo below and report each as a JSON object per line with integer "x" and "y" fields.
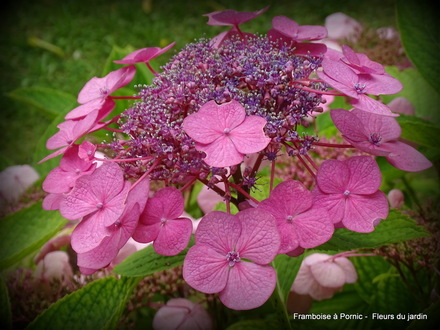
{"x": 218, "y": 111}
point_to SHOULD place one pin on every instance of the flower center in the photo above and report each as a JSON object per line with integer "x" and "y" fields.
{"x": 360, "y": 88}
{"x": 227, "y": 131}
{"x": 346, "y": 193}
{"x": 99, "y": 205}
{"x": 289, "y": 218}
{"x": 375, "y": 139}
{"x": 232, "y": 257}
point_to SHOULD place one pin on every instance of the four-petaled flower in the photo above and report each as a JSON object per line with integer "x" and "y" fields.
{"x": 219, "y": 261}
{"x": 162, "y": 223}
{"x": 300, "y": 223}
{"x": 378, "y": 135}
{"x": 349, "y": 190}
{"x": 225, "y": 133}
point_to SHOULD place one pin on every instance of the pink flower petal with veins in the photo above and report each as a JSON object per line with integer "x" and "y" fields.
{"x": 232, "y": 17}
{"x": 144, "y": 55}
{"x": 173, "y": 236}
{"x": 100, "y": 88}
{"x": 249, "y": 286}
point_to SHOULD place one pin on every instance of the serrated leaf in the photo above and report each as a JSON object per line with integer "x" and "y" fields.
{"x": 420, "y": 131}
{"x": 147, "y": 261}
{"x": 5, "y": 310}
{"x": 396, "y": 228}
{"x": 420, "y": 31}
{"x": 98, "y": 305}
{"x": 51, "y": 101}
{"x": 25, "y": 231}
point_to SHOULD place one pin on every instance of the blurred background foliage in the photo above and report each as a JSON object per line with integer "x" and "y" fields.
{"x": 62, "y": 44}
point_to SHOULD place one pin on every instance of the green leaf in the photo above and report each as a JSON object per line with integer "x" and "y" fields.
{"x": 396, "y": 228}
{"x": 147, "y": 261}
{"x": 5, "y": 310}
{"x": 53, "y": 102}
{"x": 432, "y": 320}
{"x": 287, "y": 268}
{"x": 25, "y": 231}
{"x": 420, "y": 131}
{"x": 420, "y": 31}
{"x": 98, "y": 305}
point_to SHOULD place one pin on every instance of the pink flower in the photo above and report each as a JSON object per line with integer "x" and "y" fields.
{"x": 402, "y": 105}
{"x": 180, "y": 313}
{"x": 286, "y": 31}
{"x": 161, "y": 222}
{"x": 225, "y": 133}
{"x": 341, "y": 26}
{"x": 232, "y": 17}
{"x": 396, "y": 198}
{"x": 341, "y": 77}
{"x": 144, "y": 55}
{"x": 101, "y": 194}
{"x": 349, "y": 191}
{"x": 54, "y": 266}
{"x": 321, "y": 275}
{"x": 98, "y": 244}
{"x": 378, "y": 135}
{"x": 219, "y": 261}
{"x": 103, "y": 106}
{"x": 101, "y": 88}
{"x": 300, "y": 223}
{"x": 360, "y": 63}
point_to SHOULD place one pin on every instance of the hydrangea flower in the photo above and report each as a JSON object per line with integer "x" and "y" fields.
{"x": 321, "y": 275}
{"x": 378, "y": 135}
{"x": 179, "y": 313}
{"x": 349, "y": 190}
{"x": 162, "y": 223}
{"x": 219, "y": 261}
{"x": 225, "y": 133}
{"x": 14, "y": 180}
{"x": 300, "y": 223}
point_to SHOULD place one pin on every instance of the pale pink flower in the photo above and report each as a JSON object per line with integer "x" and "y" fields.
{"x": 387, "y": 33}
{"x": 231, "y": 257}
{"x": 162, "y": 223}
{"x": 341, "y": 26}
{"x": 144, "y": 55}
{"x": 225, "y": 133}
{"x": 349, "y": 190}
{"x": 180, "y": 313}
{"x": 299, "y": 222}
{"x": 402, "y": 105}
{"x": 54, "y": 266}
{"x": 15, "y": 180}
{"x": 378, "y": 135}
{"x": 286, "y": 31}
{"x": 396, "y": 198}
{"x": 101, "y": 88}
{"x": 321, "y": 275}
{"x": 341, "y": 77}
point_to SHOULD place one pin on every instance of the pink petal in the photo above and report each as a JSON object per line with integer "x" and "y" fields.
{"x": 341, "y": 73}
{"x": 333, "y": 203}
{"x": 387, "y": 127}
{"x": 173, "y": 236}
{"x": 52, "y": 202}
{"x": 205, "y": 269}
{"x": 144, "y": 54}
{"x": 232, "y": 17}
{"x": 249, "y": 286}
{"x": 349, "y": 270}
{"x": 402, "y": 105}
{"x": 328, "y": 274}
{"x": 146, "y": 233}
{"x": 102, "y": 87}
{"x": 365, "y": 176}
{"x": 349, "y": 125}
{"x": 172, "y": 202}
{"x": 106, "y": 105}
{"x": 376, "y": 84}
{"x": 366, "y": 103}
{"x": 219, "y": 231}
{"x": 101, "y": 255}
{"x": 88, "y": 234}
{"x": 285, "y": 26}
{"x": 333, "y": 176}
{"x": 406, "y": 158}
{"x": 259, "y": 240}
{"x": 311, "y": 32}
{"x": 221, "y": 153}
{"x": 361, "y": 211}
{"x": 249, "y": 137}
{"x": 313, "y": 227}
